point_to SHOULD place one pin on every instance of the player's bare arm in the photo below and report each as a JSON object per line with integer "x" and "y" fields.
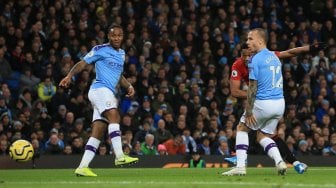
{"x": 65, "y": 82}
{"x": 251, "y": 96}
{"x": 236, "y": 91}
{"x": 304, "y": 49}
{"x": 293, "y": 52}
{"x": 127, "y": 85}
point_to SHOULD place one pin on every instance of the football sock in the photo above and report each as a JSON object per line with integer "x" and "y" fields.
{"x": 271, "y": 149}
{"x": 115, "y": 136}
{"x": 284, "y": 150}
{"x": 90, "y": 151}
{"x": 242, "y": 143}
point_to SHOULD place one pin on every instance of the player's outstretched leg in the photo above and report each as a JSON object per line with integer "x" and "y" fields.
{"x": 231, "y": 160}
{"x": 272, "y": 151}
{"x": 300, "y": 167}
{"x": 289, "y": 156}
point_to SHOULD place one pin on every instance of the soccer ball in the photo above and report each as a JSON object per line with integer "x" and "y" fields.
{"x": 21, "y": 151}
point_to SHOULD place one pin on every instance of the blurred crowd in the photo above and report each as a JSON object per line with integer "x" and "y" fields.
{"x": 178, "y": 57}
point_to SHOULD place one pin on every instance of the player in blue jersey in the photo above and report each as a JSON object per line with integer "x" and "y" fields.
{"x": 108, "y": 60}
{"x": 266, "y": 103}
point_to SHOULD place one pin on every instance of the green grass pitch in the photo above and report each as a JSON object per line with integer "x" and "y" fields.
{"x": 174, "y": 177}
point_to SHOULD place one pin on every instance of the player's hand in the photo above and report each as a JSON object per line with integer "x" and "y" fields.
{"x": 251, "y": 120}
{"x": 130, "y": 91}
{"x": 318, "y": 46}
{"x": 65, "y": 82}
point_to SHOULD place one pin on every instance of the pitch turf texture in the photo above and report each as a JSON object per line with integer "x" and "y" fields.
{"x": 164, "y": 178}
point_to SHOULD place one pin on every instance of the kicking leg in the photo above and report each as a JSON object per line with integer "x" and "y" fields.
{"x": 289, "y": 156}
{"x": 113, "y": 117}
{"x": 272, "y": 151}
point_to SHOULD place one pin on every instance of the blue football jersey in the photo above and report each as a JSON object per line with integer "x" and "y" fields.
{"x": 109, "y": 65}
{"x": 265, "y": 67}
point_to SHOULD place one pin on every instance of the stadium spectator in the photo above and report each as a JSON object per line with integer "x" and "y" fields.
{"x": 102, "y": 149}
{"x": 196, "y": 160}
{"x": 303, "y": 148}
{"x": 67, "y": 150}
{"x": 136, "y": 150}
{"x": 162, "y": 134}
{"x": 54, "y": 145}
{"x": 223, "y": 147}
{"x": 175, "y": 145}
{"x": 148, "y": 147}
{"x": 141, "y": 134}
{"x": 46, "y": 89}
{"x": 4, "y": 145}
{"x": 162, "y": 150}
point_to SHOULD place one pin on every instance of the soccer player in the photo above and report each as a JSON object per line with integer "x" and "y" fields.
{"x": 239, "y": 75}
{"x": 109, "y": 61}
{"x": 265, "y": 92}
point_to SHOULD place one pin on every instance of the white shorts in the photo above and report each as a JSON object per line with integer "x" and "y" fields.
{"x": 268, "y": 113}
{"x": 102, "y": 99}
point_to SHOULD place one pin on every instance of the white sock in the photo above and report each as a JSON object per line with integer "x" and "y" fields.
{"x": 115, "y": 136}
{"x": 90, "y": 151}
{"x": 242, "y": 144}
{"x": 271, "y": 149}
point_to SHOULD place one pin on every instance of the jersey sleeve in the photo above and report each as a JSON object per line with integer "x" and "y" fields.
{"x": 253, "y": 69}
{"x": 277, "y": 53}
{"x": 235, "y": 72}
{"x": 92, "y": 56}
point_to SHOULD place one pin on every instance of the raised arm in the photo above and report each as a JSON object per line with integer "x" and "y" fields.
{"x": 293, "y": 52}
{"x": 304, "y": 49}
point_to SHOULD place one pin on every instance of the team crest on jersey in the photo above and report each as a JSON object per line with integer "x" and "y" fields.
{"x": 234, "y": 73}
{"x": 90, "y": 54}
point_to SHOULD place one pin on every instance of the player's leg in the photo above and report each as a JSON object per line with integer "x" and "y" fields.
{"x": 108, "y": 106}
{"x": 252, "y": 148}
{"x": 289, "y": 156}
{"x": 113, "y": 117}
{"x": 272, "y": 151}
{"x": 268, "y": 118}
{"x": 242, "y": 143}
{"x": 98, "y": 129}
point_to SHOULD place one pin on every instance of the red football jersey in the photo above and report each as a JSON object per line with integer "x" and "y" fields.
{"x": 240, "y": 70}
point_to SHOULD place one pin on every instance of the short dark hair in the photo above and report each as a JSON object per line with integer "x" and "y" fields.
{"x": 114, "y": 26}
{"x": 244, "y": 46}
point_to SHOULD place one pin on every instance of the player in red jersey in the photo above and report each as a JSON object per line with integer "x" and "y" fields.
{"x": 238, "y": 86}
